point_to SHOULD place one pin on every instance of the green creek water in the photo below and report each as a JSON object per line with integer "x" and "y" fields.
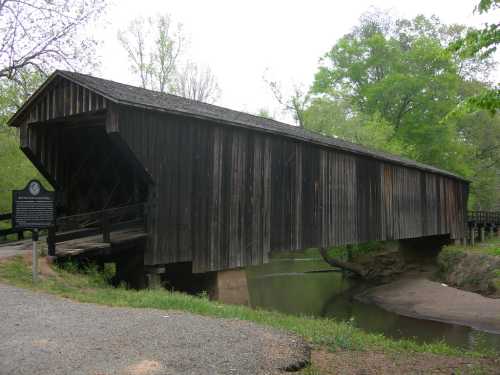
{"x": 292, "y": 286}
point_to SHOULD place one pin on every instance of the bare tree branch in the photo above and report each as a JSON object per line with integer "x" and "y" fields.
{"x": 45, "y": 34}
{"x": 353, "y": 267}
{"x": 153, "y": 46}
{"x": 296, "y": 103}
{"x": 197, "y": 84}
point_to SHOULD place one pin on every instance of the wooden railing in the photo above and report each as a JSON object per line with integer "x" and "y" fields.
{"x": 93, "y": 223}
{"x": 484, "y": 217}
{"x": 9, "y": 230}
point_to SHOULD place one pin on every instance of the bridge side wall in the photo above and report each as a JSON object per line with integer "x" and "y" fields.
{"x": 226, "y": 196}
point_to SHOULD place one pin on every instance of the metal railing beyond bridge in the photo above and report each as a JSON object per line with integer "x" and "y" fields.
{"x": 488, "y": 218}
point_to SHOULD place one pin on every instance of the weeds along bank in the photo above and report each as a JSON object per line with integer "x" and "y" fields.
{"x": 476, "y": 269}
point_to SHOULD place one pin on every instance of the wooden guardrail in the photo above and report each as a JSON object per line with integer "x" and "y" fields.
{"x": 9, "y": 230}
{"x": 93, "y": 223}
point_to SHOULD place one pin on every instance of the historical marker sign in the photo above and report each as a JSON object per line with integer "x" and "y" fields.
{"x": 33, "y": 207}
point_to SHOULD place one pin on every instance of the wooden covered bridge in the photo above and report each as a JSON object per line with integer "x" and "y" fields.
{"x": 187, "y": 182}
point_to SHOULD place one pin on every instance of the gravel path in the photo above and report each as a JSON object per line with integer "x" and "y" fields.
{"x": 15, "y": 248}
{"x": 42, "y": 334}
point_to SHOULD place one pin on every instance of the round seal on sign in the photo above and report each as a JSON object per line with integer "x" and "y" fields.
{"x": 34, "y": 188}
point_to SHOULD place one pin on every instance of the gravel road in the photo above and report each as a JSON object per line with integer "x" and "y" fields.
{"x": 43, "y": 334}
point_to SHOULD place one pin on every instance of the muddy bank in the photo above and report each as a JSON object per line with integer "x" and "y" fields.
{"x": 471, "y": 271}
{"x": 424, "y": 299}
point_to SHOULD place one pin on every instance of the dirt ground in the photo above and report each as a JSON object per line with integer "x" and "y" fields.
{"x": 378, "y": 363}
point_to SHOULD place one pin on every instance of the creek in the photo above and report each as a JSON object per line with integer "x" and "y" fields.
{"x": 310, "y": 287}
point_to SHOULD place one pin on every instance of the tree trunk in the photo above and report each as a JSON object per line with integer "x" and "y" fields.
{"x": 355, "y": 268}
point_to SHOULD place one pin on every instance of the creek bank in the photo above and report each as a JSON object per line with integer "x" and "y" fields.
{"x": 390, "y": 264}
{"x": 420, "y": 298}
{"x": 470, "y": 270}
{"x": 416, "y": 283}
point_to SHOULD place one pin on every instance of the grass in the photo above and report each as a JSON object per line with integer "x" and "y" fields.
{"x": 490, "y": 246}
{"x": 93, "y": 287}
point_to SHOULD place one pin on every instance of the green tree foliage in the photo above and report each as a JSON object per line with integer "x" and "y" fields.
{"x": 330, "y": 117}
{"x": 481, "y": 134}
{"x": 481, "y": 43}
{"x": 390, "y": 83}
{"x": 16, "y": 170}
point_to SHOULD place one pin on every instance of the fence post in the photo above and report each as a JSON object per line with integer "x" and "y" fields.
{"x": 51, "y": 242}
{"x": 105, "y": 228}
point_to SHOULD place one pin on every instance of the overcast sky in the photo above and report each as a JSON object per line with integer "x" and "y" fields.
{"x": 243, "y": 40}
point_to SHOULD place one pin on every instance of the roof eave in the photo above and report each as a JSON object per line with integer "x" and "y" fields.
{"x": 13, "y": 122}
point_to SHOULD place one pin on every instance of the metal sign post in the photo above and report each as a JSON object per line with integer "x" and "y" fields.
{"x": 33, "y": 208}
{"x": 34, "y": 255}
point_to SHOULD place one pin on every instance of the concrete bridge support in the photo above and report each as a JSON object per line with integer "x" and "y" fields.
{"x": 230, "y": 286}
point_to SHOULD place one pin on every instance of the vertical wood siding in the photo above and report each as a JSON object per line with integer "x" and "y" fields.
{"x": 63, "y": 98}
{"x": 226, "y": 196}
{"x": 213, "y": 190}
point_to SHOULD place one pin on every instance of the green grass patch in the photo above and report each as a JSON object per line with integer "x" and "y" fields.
{"x": 490, "y": 246}
{"x": 92, "y": 286}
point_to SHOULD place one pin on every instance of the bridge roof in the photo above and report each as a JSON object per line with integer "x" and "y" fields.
{"x": 153, "y": 100}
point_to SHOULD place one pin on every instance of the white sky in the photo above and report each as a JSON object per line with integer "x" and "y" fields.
{"x": 240, "y": 41}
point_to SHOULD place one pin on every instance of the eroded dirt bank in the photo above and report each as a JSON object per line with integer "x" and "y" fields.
{"x": 421, "y": 298}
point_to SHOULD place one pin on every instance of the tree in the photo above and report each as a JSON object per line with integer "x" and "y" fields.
{"x": 14, "y": 93}
{"x": 391, "y": 84}
{"x": 295, "y": 103}
{"x": 153, "y": 46}
{"x": 481, "y": 43}
{"x": 333, "y": 118}
{"x": 264, "y": 112}
{"x": 16, "y": 168}
{"x": 481, "y": 134}
{"x": 197, "y": 83}
{"x": 402, "y": 71}
{"x": 44, "y": 34}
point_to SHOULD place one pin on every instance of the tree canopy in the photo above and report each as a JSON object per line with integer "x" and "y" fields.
{"x": 481, "y": 43}
{"x": 391, "y": 84}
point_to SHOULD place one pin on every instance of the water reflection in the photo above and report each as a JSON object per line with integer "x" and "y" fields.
{"x": 289, "y": 286}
